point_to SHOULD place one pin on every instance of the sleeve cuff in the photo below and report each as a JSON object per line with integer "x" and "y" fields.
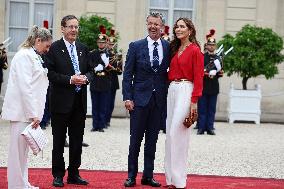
{"x": 194, "y": 99}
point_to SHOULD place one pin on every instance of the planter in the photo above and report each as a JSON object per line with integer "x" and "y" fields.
{"x": 244, "y": 105}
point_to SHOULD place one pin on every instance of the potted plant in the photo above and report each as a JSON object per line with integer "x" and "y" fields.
{"x": 257, "y": 51}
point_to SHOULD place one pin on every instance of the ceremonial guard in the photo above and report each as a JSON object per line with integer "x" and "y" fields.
{"x": 101, "y": 85}
{"x": 114, "y": 69}
{"x": 3, "y": 61}
{"x": 212, "y": 72}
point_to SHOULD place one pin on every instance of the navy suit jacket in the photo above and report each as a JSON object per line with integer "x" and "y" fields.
{"x": 140, "y": 80}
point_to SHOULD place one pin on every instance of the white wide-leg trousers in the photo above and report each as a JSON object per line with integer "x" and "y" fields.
{"x": 17, "y": 172}
{"x": 177, "y": 137}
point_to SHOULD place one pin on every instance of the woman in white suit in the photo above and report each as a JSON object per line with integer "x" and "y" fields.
{"x": 24, "y": 101}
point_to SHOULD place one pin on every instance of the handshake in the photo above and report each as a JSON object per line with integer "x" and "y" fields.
{"x": 78, "y": 79}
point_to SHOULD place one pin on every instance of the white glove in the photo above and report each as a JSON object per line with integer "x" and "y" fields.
{"x": 99, "y": 68}
{"x": 105, "y": 59}
{"x": 212, "y": 72}
{"x": 217, "y": 64}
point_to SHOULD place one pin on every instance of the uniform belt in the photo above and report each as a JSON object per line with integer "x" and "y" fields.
{"x": 180, "y": 80}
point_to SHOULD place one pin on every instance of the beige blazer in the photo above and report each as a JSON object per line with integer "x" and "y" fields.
{"x": 26, "y": 89}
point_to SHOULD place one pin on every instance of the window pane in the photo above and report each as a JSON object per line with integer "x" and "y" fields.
{"x": 19, "y": 14}
{"x": 163, "y": 12}
{"x": 186, "y": 14}
{"x": 44, "y": 1}
{"x": 184, "y": 4}
{"x": 18, "y": 36}
{"x": 43, "y": 12}
{"x": 159, "y": 3}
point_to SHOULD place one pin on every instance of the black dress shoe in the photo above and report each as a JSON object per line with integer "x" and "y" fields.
{"x": 101, "y": 130}
{"x": 200, "y": 132}
{"x": 77, "y": 180}
{"x": 85, "y": 144}
{"x": 58, "y": 182}
{"x": 150, "y": 182}
{"x": 130, "y": 182}
{"x": 94, "y": 130}
{"x": 211, "y": 132}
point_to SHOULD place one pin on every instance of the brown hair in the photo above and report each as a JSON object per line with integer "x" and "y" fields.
{"x": 66, "y": 18}
{"x": 175, "y": 43}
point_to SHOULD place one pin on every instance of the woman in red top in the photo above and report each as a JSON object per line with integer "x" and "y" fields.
{"x": 186, "y": 77}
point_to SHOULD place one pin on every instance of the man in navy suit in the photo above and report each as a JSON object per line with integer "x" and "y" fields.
{"x": 144, "y": 89}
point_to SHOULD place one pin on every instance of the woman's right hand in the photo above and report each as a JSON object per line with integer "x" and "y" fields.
{"x": 35, "y": 122}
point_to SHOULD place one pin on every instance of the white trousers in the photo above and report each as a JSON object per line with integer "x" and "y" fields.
{"x": 177, "y": 137}
{"x": 18, "y": 158}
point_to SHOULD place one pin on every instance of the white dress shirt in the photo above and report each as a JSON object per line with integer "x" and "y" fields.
{"x": 67, "y": 44}
{"x": 151, "y": 49}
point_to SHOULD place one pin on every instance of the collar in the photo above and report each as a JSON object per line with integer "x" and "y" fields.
{"x": 67, "y": 44}
{"x": 151, "y": 41}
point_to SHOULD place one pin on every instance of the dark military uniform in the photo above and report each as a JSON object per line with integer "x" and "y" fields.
{"x": 100, "y": 86}
{"x": 207, "y": 102}
{"x": 100, "y": 91}
{"x": 116, "y": 63}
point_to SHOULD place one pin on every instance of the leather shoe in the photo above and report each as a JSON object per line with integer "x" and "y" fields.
{"x": 101, "y": 130}
{"x": 130, "y": 182}
{"x": 58, "y": 182}
{"x": 77, "y": 180}
{"x": 210, "y": 132}
{"x": 150, "y": 182}
{"x": 85, "y": 144}
{"x": 94, "y": 130}
{"x": 200, "y": 132}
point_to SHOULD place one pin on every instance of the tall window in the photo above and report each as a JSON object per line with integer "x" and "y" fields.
{"x": 173, "y": 9}
{"x": 23, "y": 14}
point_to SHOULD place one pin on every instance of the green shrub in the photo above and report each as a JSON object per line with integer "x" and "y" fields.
{"x": 257, "y": 51}
{"x": 89, "y": 29}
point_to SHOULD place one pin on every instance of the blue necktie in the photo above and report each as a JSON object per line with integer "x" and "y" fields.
{"x": 75, "y": 66}
{"x": 155, "y": 65}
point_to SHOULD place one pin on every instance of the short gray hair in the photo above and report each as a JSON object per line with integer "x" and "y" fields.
{"x": 37, "y": 32}
{"x": 156, "y": 14}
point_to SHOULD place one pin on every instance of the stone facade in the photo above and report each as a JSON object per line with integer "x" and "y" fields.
{"x": 226, "y": 16}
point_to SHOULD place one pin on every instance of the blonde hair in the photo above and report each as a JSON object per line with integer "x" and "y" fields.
{"x": 36, "y": 32}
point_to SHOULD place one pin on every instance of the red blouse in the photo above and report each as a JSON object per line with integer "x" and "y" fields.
{"x": 189, "y": 65}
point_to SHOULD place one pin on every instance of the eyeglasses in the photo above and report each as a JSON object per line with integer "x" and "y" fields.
{"x": 72, "y": 27}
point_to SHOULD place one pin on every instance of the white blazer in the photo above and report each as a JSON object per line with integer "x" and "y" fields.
{"x": 26, "y": 89}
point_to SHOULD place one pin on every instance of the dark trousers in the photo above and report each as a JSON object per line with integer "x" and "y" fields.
{"x": 206, "y": 112}
{"x": 164, "y": 119}
{"x": 46, "y": 115}
{"x": 144, "y": 120}
{"x": 111, "y": 102}
{"x": 75, "y": 121}
{"x": 99, "y": 108}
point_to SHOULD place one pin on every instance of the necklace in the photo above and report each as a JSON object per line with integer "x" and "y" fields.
{"x": 182, "y": 48}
